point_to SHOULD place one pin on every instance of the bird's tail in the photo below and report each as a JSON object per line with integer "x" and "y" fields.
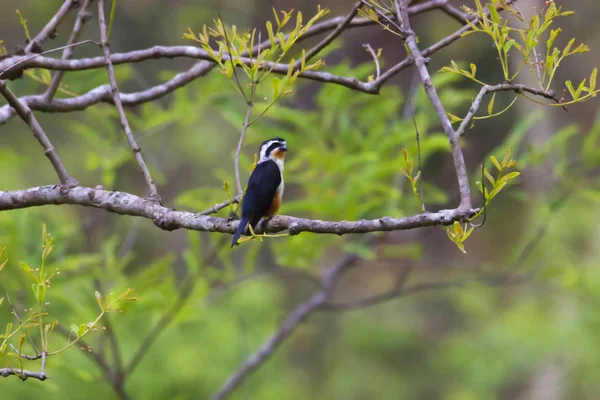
{"x": 240, "y": 230}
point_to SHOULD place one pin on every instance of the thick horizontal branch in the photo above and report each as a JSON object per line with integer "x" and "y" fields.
{"x": 169, "y": 219}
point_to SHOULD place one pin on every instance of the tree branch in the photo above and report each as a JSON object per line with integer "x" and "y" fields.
{"x": 459, "y": 161}
{"x": 169, "y": 219}
{"x": 300, "y": 314}
{"x": 82, "y": 17}
{"x": 35, "y": 45}
{"x": 519, "y": 88}
{"x": 103, "y": 93}
{"x": 23, "y": 374}
{"x": 27, "y": 116}
{"x": 137, "y": 151}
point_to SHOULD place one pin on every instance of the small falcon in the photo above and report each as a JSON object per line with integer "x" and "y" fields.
{"x": 265, "y": 186}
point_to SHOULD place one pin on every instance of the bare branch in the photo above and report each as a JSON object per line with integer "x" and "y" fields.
{"x": 220, "y": 206}
{"x": 82, "y": 17}
{"x": 375, "y": 59}
{"x": 23, "y": 374}
{"x": 137, "y": 151}
{"x": 459, "y": 161}
{"x": 300, "y": 314}
{"x": 27, "y": 116}
{"x": 49, "y": 30}
{"x": 518, "y": 88}
{"x": 239, "y": 148}
{"x": 103, "y": 94}
{"x": 168, "y": 219}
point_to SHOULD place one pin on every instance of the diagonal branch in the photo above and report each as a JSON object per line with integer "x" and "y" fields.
{"x": 419, "y": 59}
{"x": 82, "y": 17}
{"x": 137, "y": 151}
{"x": 27, "y": 115}
{"x": 165, "y": 320}
{"x": 299, "y": 315}
{"x": 35, "y": 45}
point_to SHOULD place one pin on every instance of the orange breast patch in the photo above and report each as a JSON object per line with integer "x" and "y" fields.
{"x": 275, "y": 204}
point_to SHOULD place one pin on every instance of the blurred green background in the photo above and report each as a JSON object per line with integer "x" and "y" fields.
{"x": 521, "y": 322}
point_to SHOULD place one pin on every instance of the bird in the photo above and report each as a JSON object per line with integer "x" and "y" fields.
{"x": 265, "y": 186}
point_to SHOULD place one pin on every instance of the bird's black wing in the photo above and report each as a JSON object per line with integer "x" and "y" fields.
{"x": 262, "y": 187}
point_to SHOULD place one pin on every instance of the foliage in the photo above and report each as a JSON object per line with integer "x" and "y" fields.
{"x": 36, "y": 316}
{"x": 472, "y": 342}
{"x": 528, "y": 41}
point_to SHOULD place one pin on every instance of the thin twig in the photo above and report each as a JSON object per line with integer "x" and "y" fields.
{"x": 82, "y": 17}
{"x": 25, "y": 59}
{"x": 375, "y": 59}
{"x": 513, "y": 87}
{"x": 37, "y": 353}
{"x": 239, "y": 148}
{"x": 331, "y": 37}
{"x": 50, "y": 28}
{"x": 220, "y": 206}
{"x": 29, "y": 118}
{"x": 153, "y": 193}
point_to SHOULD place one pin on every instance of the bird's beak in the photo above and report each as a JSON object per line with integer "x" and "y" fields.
{"x": 283, "y": 148}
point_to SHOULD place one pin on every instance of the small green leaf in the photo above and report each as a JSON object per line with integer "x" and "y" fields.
{"x": 490, "y": 108}
{"x": 81, "y": 330}
{"x": 74, "y": 328}
{"x": 99, "y": 300}
{"x": 571, "y": 90}
{"x": 496, "y": 163}
{"x": 592, "y": 89}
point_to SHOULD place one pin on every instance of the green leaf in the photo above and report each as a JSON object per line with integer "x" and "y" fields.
{"x": 580, "y": 88}
{"x": 571, "y": 90}
{"x": 491, "y": 105}
{"x": 74, "y": 328}
{"x": 494, "y": 14}
{"x": 496, "y": 163}
{"x": 40, "y": 292}
{"x": 592, "y": 89}
{"x": 99, "y": 300}
{"x": 29, "y": 272}
{"x": 81, "y": 330}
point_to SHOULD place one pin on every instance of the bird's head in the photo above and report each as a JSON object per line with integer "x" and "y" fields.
{"x": 272, "y": 149}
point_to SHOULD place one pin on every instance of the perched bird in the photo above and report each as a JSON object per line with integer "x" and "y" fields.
{"x": 265, "y": 186}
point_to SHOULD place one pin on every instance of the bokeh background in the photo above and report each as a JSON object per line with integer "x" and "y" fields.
{"x": 520, "y": 322}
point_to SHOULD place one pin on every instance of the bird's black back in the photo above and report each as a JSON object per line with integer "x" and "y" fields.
{"x": 262, "y": 187}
